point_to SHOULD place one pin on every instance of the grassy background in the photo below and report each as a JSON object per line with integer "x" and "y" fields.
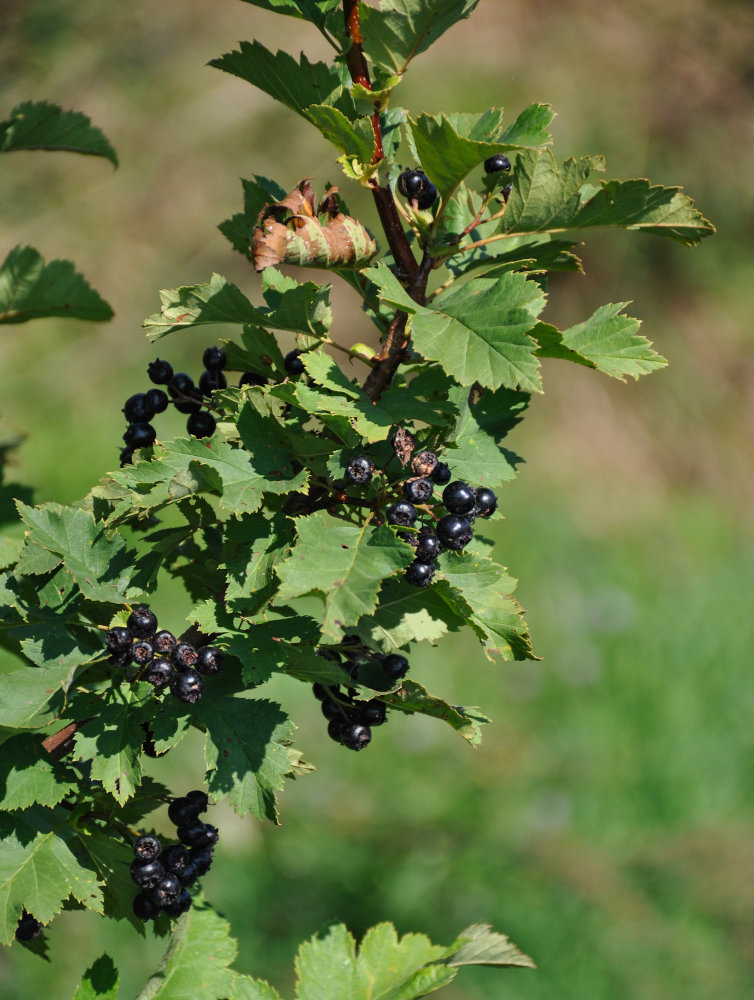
{"x": 606, "y": 823}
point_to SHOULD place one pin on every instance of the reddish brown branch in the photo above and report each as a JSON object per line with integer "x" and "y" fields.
{"x": 61, "y": 743}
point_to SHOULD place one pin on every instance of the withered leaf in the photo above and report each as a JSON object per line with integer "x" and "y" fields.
{"x": 403, "y": 444}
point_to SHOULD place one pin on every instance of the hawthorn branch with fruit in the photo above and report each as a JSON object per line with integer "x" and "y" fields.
{"x": 292, "y": 482}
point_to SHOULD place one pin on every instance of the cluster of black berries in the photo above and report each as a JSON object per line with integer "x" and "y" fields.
{"x": 28, "y": 927}
{"x": 164, "y": 874}
{"x": 161, "y": 660}
{"x": 418, "y": 188}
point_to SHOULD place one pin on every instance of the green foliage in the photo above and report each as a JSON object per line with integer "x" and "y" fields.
{"x": 31, "y": 289}
{"x": 41, "y": 125}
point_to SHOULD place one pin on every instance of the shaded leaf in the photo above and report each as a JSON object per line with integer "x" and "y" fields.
{"x": 29, "y": 775}
{"x": 100, "y": 982}
{"x": 31, "y": 289}
{"x": 413, "y": 697}
{"x": 41, "y": 125}
{"x": 398, "y": 30}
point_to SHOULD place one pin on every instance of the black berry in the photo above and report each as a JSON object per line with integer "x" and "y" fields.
{"x": 159, "y": 673}
{"x": 214, "y": 359}
{"x": 411, "y": 183}
{"x": 293, "y": 363}
{"x": 189, "y": 875}
{"x": 179, "y": 905}
{"x": 372, "y": 713}
{"x": 121, "y": 657}
{"x": 142, "y": 652}
{"x": 395, "y": 666}
{"x": 164, "y": 642}
{"x": 402, "y": 513}
{"x": 441, "y": 475}
{"x": 118, "y": 637}
{"x": 176, "y": 859}
{"x": 331, "y": 709}
{"x": 145, "y": 907}
{"x": 126, "y": 457}
{"x": 424, "y": 464}
{"x": 182, "y": 811}
{"x": 427, "y": 198}
{"x": 187, "y": 686}
{"x": 486, "y": 502}
{"x": 184, "y": 655}
{"x": 147, "y": 847}
{"x": 181, "y": 388}
{"x": 202, "y": 859}
{"x": 428, "y": 546}
{"x": 459, "y": 498}
{"x": 209, "y": 838}
{"x": 138, "y": 408}
{"x": 320, "y": 692}
{"x": 210, "y": 660}
{"x": 160, "y": 372}
{"x": 420, "y": 574}
{"x": 139, "y": 435}
{"x": 192, "y": 834}
{"x": 209, "y": 381}
{"x": 454, "y": 532}
{"x": 146, "y": 874}
{"x": 201, "y": 424}
{"x": 28, "y": 927}
{"x": 167, "y": 890}
{"x": 335, "y": 728}
{"x": 359, "y": 470}
{"x": 418, "y": 490}
{"x": 251, "y": 378}
{"x": 142, "y": 622}
{"x": 157, "y": 399}
{"x": 198, "y": 798}
{"x": 355, "y": 735}
{"x": 494, "y": 164}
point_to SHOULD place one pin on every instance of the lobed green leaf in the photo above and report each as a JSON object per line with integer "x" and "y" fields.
{"x": 42, "y": 125}
{"x": 31, "y": 289}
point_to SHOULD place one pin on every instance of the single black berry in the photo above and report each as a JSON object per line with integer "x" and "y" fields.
{"x": 139, "y": 435}
{"x": 209, "y": 838}
{"x": 395, "y": 666}
{"x": 202, "y": 858}
{"x": 160, "y": 372}
{"x": 157, "y": 399}
{"x": 486, "y": 502}
{"x": 459, "y": 497}
{"x": 187, "y": 686}
{"x": 214, "y": 359}
{"x": 441, "y": 475}
{"x": 186, "y": 396}
{"x": 159, "y": 673}
{"x": 372, "y": 713}
{"x": 418, "y": 490}
{"x": 402, "y": 513}
{"x": 179, "y": 905}
{"x": 209, "y": 381}
{"x": 411, "y": 183}
{"x": 251, "y": 378}
{"x": 189, "y": 875}
{"x": 454, "y": 532}
{"x": 28, "y": 927}
{"x": 293, "y": 363}
{"x": 176, "y": 859}
{"x": 184, "y": 655}
{"x": 420, "y": 574}
{"x": 427, "y": 198}
{"x": 424, "y": 464}
{"x": 192, "y": 834}
{"x": 142, "y": 652}
{"x": 201, "y": 424}
{"x": 118, "y": 637}
{"x": 126, "y": 457}
{"x": 138, "y": 408}
{"x": 167, "y": 890}
{"x": 209, "y": 660}
{"x": 320, "y": 692}
{"x": 182, "y": 811}
{"x": 147, "y": 847}
{"x": 199, "y": 798}
{"x": 145, "y": 907}
{"x": 359, "y": 470}
{"x": 331, "y": 709}
{"x": 164, "y": 642}
{"x": 428, "y": 546}
{"x": 355, "y": 735}
{"x": 146, "y": 874}
{"x": 142, "y": 622}
{"x": 335, "y": 728}
{"x": 121, "y": 657}
{"x": 494, "y": 164}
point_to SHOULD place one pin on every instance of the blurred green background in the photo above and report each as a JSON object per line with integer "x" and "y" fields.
{"x": 606, "y": 823}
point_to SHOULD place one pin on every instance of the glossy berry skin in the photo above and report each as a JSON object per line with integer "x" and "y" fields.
{"x": 139, "y": 435}
{"x": 395, "y": 666}
{"x": 187, "y": 686}
{"x": 138, "y": 408}
{"x": 146, "y": 874}
{"x": 121, "y": 657}
{"x": 459, "y": 498}
{"x": 428, "y": 546}
{"x": 427, "y": 198}
{"x": 355, "y": 736}
{"x": 142, "y": 652}
{"x": 198, "y": 798}
{"x": 192, "y": 834}
{"x": 189, "y": 875}
{"x": 331, "y": 709}
{"x": 210, "y": 381}
{"x": 441, "y": 476}
{"x": 184, "y": 655}
{"x": 214, "y": 359}
{"x": 167, "y": 890}
{"x": 359, "y": 470}
{"x": 494, "y": 164}
{"x": 180, "y": 905}
{"x": 420, "y": 574}
{"x": 160, "y": 372}
{"x": 157, "y": 399}
{"x": 373, "y": 713}
{"x": 142, "y": 622}
{"x": 28, "y": 927}
{"x": 209, "y": 838}
{"x": 424, "y": 464}
{"x": 118, "y": 637}
{"x": 210, "y": 660}
{"x": 182, "y": 811}
{"x": 186, "y": 396}
{"x": 486, "y": 502}
{"x": 164, "y": 642}
{"x": 411, "y": 183}
{"x": 201, "y": 424}
{"x": 320, "y": 692}
{"x": 402, "y": 513}
{"x": 176, "y": 859}
{"x": 159, "y": 673}
{"x": 293, "y": 363}
{"x": 202, "y": 858}
{"x": 145, "y": 907}
{"x": 335, "y": 728}
{"x": 251, "y": 378}
{"x": 418, "y": 490}
{"x": 454, "y": 532}
{"x": 147, "y": 847}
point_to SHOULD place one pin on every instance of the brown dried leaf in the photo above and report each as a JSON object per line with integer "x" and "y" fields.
{"x": 403, "y": 444}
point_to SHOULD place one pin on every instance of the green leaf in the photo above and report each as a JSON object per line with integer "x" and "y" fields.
{"x": 29, "y": 775}
{"x": 413, "y": 697}
{"x": 100, "y": 982}
{"x": 303, "y": 306}
{"x": 483, "y": 946}
{"x": 476, "y": 456}
{"x": 220, "y": 301}
{"x": 246, "y": 750}
{"x": 403, "y": 617}
{"x": 254, "y": 543}
{"x": 246, "y": 988}
{"x": 111, "y": 860}
{"x": 354, "y": 138}
{"x": 31, "y": 289}
{"x": 607, "y": 341}
{"x": 400, "y": 29}
{"x": 27, "y": 693}
{"x": 41, "y": 125}
{"x": 342, "y": 563}
{"x": 316, "y": 11}
{"x": 38, "y": 871}
{"x": 257, "y": 193}
{"x": 197, "y": 961}
{"x": 51, "y": 645}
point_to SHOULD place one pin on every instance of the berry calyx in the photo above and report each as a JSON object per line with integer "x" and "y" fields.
{"x": 209, "y": 381}
{"x": 251, "y": 378}
{"x": 355, "y": 736}
{"x": 184, "y": 655}
{"x": 159, "y": 673}
{"x": 420, "y": 574}
{"x": 157, "y": 399}
{"x": 138, "y": 408}
{"x": 486, "y": 502}
{"x": 494, "y": 164}
{"x": 209, "y": 660}
{"x": 395, "y": 666}
{"x": 441, "y": 476}
{"x": 402, "y": 513}
{"x": 142, "y": 652}
{"x": 459, "y": 498}
{"x": 146, "y": 874}
{"x": 139, "y": 435}
{"x": 201, "y": 424}
{"x": 187, "y": 686}
{"x": 160, "y": 372}
{"x": 454, "y": 532}
{"x": 418, "y": 490}
{"x": 176, "y": 859}
{"x": 164, "y": 642}
{"x": 118, "y": 637}
{"x": 359, "y": 470}
{"x": 214, "y": 359}
{"x": 147, "y": 847}
{"x": 293, "y": 363}
{"x": 411, "y": 183}
{"x": 424, "y": 463}
{"x": 142, "y": 622}
{"x": 167, "y": 890}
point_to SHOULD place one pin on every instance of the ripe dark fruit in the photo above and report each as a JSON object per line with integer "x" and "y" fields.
{"x": 187, "y": 398}
{"x": 373, "y": 713}
{"x": 359, "y": 470}
{"x": 28, "y": 927}
{"x": 335, "y": 728}
{"x": 424, "y": 464}
{"x": 411, "y": 183}
{"x": 187, "y": 686}
{"x": 420, "y": 574}
{"x": 137, "y": 408}
{"x": 202, "y": 858}
{"x": 126, "y": 457}
{"x": 176, "y": 859}
{"x": 142, "y": 622}
{"x": 441, "y": 475}
{"x": 251, "y": 378}
{"x": 184, "y": 655}
{"x": 454, "y": 532}
{"x": 189, "y": 875}
{"x": 164, "y": 642}
{"x": 139, "y": 435}
{"x": 486, "y": 502}
{"x": 210, "y": 660}
{"x": 118, "y": 637}
{"x": 159, "y": 673}
{"x": 320, "y": 692}
{"x": 182, "y": 811}
{"x": 146, "y": 874}
{"x": 160, "y": 372}
{"x": 167, "y": 890}
{"x": 418, "y": 490}
{"x": 142, "y": 652}
{"x": 494, "y": 164}
{"x": 210, "y": 381}
{"x": 157, "y": 399}
{"x": 402, "y": 513}
{"x": 459, "y": 498}
{"x": 121, "y": 657}
{"x": 198, "y": 798}
{"x": 293, "y": 363}
{"x": 355, "y": 736}
{"x": 147, "y": 847}
{"x": 427, "y": 198}
{"x": 395, "y": 666}
{"x": 192, "y": 834}
{"x": 331, "y": 709}
{"x": 179, "y": 905}
{"x": 214, "y": 359}
{"x": 145, "y": 907}
{"x": 209, "y": 838}
{"x": 201, "y": 424}
{"x": 428, "y": 546}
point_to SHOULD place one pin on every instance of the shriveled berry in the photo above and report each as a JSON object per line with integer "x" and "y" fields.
{"x": 160, "y": 372}
{"x": 454, "y": 532}
{"x": 411, "y": 183}
{"x": 494, "y": 164}
{"x": 293, "y": 363}
{"x": 187, "y": 686}
{"x": 420, "y": 574}
{"x": 458, "y": 497}
{"x": 427, "y": 198}
{"x": 372, "y": 713}
{"x": 145, "y": 907}
{"x": 167, "y": 890}
{"x": 118, "y": 637}
{"x": 355, "y": 736}
{"x": 428, "y": 546}
{"x": 157, "y": 399}
{"x": 209, "y": 660}
{"x": 424, "y": 463}
{"x": 139, "y": 435}
{"x": 199, "y": 798}
{"x": 142, "y": 622}
{"x": 359, "y": 470}
{"x": 142, "y": 652}
{"x": 210, "y": 381}
{"x": 137, "y": 407}
{"x": 147, "y": 847}
{"x": 184, "y": 655}
{"x": 402, "y": 513}
{"x": 418, "y": 490}
{"x": 146, "y": 874}
{"x": 486, "y": 502}
{"x": 159, "y": 673}
{"x": 176, "y": 858}
{"x": 180, "y": 905}
{"x": 201, "y": 424}
{"x": 164, "y": 642}
{"x": 202, "y": 858}
{"x": 395, "y": 666}
{"x": 252, "y": 378}
{"x": 214, "y": 359}
{"x": 192, "y": 834}
{"x": 182, "y": 811}
{"x": 28, "y": 927}
{"x": 441, "y": 476}
{"x": 121, "y": 657}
